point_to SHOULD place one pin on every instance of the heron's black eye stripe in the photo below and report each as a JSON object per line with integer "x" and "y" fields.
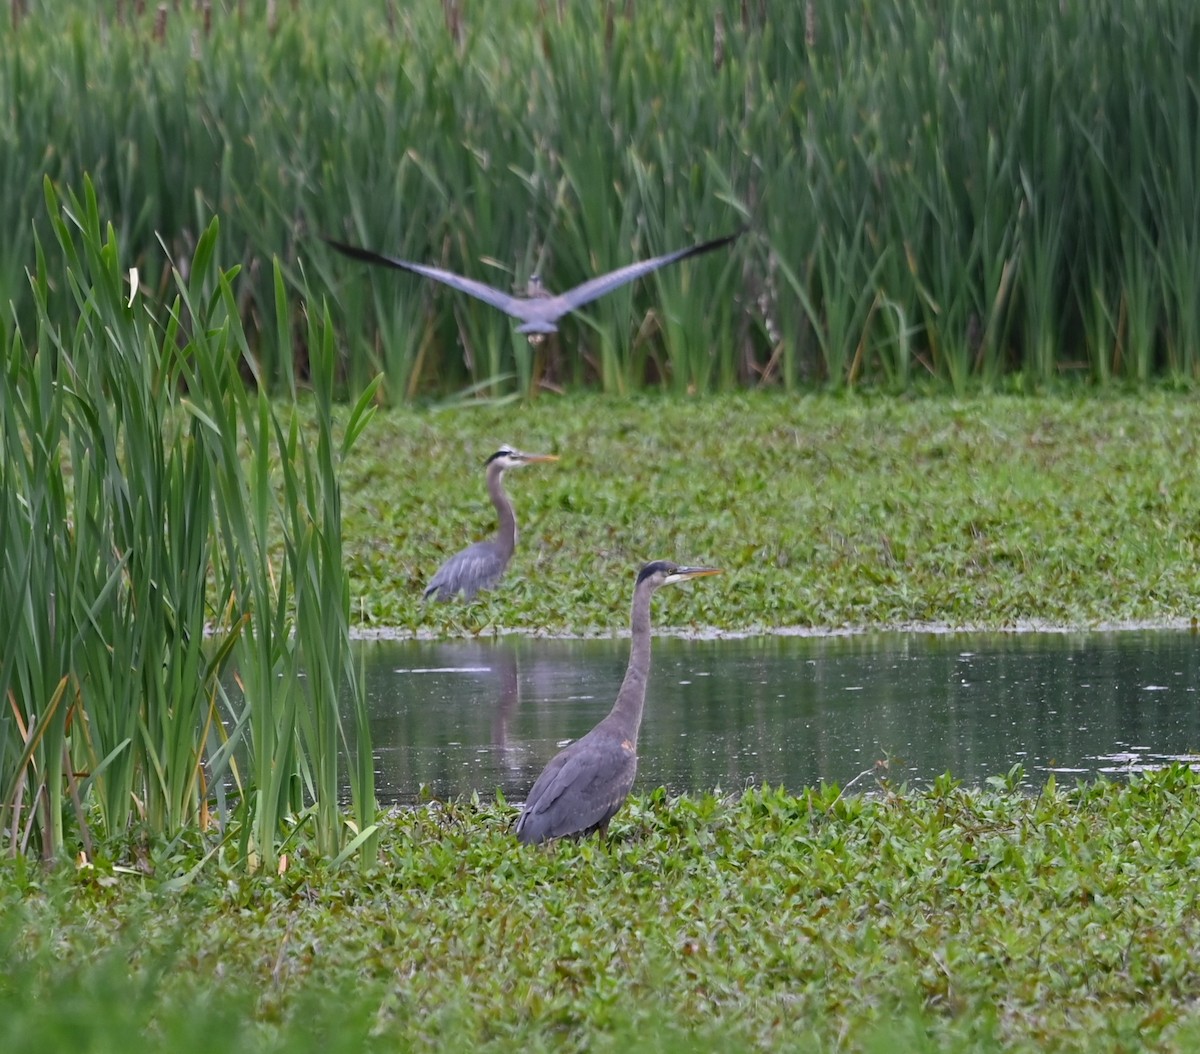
{"x": 657, "y": 565}
{"x": 498, "y": 454}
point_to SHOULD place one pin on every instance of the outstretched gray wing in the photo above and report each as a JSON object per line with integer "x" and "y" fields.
{"x": 594, "y": 288}
{"x": 506, "y": 302}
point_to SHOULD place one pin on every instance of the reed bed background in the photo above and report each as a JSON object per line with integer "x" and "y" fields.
{"x": 954, "y": 191}
{"x": 174, "y": 615}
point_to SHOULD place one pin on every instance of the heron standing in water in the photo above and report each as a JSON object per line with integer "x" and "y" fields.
{"x": 481, "y": 566}
{"x": 539, "y": 310}
{"x": 587, "y": 782}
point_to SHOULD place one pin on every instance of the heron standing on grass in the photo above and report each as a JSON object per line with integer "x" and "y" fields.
{"x": 539, "y": 310}
{"x": 586, "y": 783}
{"x": 481, "y": 566}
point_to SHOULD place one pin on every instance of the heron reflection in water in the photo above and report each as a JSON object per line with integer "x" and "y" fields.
{"x": 539, "y": 310}
{"x": 482, "y": 565}
{"x": 508, "y": 700}
{"x": 586, "y": 783}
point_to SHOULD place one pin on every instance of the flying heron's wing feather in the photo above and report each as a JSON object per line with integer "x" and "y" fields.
{"x": 594, "y": 288}
{"x": 506, "y": 302}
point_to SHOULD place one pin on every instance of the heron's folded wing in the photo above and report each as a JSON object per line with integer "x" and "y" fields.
{"x": 581, "y": 791}
{"x": 477, "y": 567}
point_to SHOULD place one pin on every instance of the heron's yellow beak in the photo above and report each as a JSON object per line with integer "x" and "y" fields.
{"x": 698, "y": 572}
{"x": 540, "y": 457}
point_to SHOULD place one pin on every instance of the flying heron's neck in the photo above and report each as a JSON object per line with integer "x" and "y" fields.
{"x": 506, "y": 535}
{"x": 631, "y": 699}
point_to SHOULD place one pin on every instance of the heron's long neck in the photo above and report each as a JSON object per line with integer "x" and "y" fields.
{"x": 631, "y": 699}
{"x": 506, "y": 535}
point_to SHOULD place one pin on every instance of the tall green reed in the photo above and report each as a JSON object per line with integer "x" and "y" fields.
{"x": 143, "y": 506}
{"x": 924, "y": 184}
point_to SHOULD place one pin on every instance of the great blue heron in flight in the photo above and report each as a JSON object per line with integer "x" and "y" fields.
{"x": 480, "y": 566}
{"x": 539, "y": 310}
{"x": 587, "y": 782}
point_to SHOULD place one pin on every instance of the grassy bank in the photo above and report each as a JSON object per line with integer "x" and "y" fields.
{"x": 944, "y": 920}
{"x": 941, "y": 192}
{"x": 826, "y": 512}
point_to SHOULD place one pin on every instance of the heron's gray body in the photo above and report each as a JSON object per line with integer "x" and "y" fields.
{"x": 582, "y": 788}
{"x": 477, "y": 567}
{"x": 585, "y": 784}
{"x": 538, "y": 311}
{"x": 482, "y": 565}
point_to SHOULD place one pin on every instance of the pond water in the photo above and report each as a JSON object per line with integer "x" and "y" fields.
{"x": 457, "y": 717}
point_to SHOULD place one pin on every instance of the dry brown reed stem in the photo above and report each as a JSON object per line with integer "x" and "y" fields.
{"x": 272, "y": 17}
{"x": 77, "y": 804}
{"x": 718, "y": 40}
{"x": 545, "y": 31}
{"x": 160, "y": 24}
{"x": 810, "y": 23}
{"x": 751, "y": 17}
{"x": 18, "y": 796}
{"x": 453, "y": 21}
{"x": 17, "y": 7}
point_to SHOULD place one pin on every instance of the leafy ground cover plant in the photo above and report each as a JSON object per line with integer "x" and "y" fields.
{"x": 911, "y": 920}
{"x": 995, "y": 512}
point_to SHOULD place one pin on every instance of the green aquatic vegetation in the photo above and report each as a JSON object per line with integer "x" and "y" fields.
{"x": 943, "y": 919}
{"x": 994, "y": 511}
